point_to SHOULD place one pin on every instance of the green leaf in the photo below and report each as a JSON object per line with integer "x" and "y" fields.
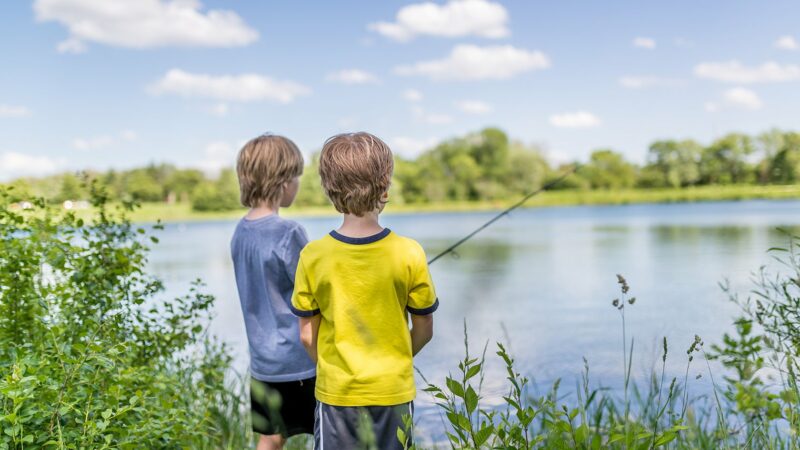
{"x": 474, "y": 370}
{"x": 471, "y": 400}
{"x": 455, "y": 387}
{"x": 665, "y": 438}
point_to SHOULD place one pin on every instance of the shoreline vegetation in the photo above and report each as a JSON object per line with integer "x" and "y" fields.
{"x": 480, "y": 171}
{"x": 183, "y": 212}
{"x": 98, "y": 358}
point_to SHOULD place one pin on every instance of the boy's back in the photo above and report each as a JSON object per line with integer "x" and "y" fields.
{"x": 264, "y": 253}
{"x": 354, "y": 290}
{"x": 363, "y": 289}
{"x": 265, "y": 250}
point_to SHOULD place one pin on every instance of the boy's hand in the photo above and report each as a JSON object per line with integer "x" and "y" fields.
{"x": 309, "y": 329}
{"x": 421, "y": 331}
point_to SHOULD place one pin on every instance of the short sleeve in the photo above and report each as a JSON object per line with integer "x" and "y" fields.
{"x": 296, "y": 239}
{"x": 421, "y": 294}
{"x": 303, "y": 302}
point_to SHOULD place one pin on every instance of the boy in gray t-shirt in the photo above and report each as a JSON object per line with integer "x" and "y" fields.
{"x": 265, "y": 249}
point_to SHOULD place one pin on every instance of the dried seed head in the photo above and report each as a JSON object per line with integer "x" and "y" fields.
{"x": 632, "y": 300}
{"x": 615, "y": 303}
{"x": 624, "y": 283}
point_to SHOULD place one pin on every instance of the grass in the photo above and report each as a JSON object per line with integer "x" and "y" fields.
{"x": 150, "y": 212}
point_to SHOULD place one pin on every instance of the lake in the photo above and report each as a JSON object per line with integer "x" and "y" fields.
{"x": 544, "y": 279}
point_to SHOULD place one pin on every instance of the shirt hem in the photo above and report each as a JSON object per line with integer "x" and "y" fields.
{"x": 284, "y": 378}
{"x": 424, "y": 311}
{"x": 303, "y": 312}
{"x": 366, "y": 400}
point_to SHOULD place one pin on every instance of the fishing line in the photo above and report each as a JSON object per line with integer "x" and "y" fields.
{"x": 505, "y": 212}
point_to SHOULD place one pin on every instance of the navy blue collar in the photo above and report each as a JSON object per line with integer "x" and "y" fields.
{"x": 360, "y": 240}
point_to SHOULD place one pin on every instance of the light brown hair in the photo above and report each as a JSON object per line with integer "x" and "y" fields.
{"x": 264, "y": 164}
{"x": 356, "y": 169}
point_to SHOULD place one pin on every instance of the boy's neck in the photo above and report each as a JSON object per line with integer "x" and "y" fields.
{"x": 262, "y": 210}
{"x": 364, "y": 226}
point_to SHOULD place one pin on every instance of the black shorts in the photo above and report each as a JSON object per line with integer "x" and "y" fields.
{"x": 282, "y": 408}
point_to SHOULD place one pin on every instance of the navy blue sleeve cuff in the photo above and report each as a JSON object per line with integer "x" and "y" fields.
{"x": 303, "y": 313}
{"x": 424, "y": 311}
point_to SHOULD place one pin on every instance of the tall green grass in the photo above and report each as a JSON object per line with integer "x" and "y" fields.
{"x": 92, "y": 359}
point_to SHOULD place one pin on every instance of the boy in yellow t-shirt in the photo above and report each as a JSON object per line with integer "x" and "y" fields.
{"x": 353, "y": 292}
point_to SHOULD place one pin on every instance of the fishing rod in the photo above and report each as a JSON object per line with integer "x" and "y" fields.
{"x": 506, "y": 211}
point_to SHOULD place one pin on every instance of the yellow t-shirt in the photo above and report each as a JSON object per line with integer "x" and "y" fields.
{"x": 364, "y": 289}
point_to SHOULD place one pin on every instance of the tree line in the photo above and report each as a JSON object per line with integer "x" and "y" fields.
{"x": 485, "y": 165}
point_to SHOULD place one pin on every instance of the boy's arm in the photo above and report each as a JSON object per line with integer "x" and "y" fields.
{"x": 421, "y": 331}
{"x": 422, "y": 303}
{"x": 309, "y": 328}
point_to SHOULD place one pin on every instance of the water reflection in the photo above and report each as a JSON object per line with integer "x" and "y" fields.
{"x": 548, "y": 275}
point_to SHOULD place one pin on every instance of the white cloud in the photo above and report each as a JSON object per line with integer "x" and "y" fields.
{"x": 578, "y": 119}
{"x": 15, "y": 165}
{"x": 144, "y": 24}
{"x": 471, "y": 62}
{"x": 456, "y": 18}
{"x": 129, "y": 135}
{"x": 93, "y": 143}
{"x": 644, "y": 82}
{"x": 412, "y": 95}
{"x": 736, "y": 98}
{"x": 644, "y": 42}
{"x": 735, "y": 72}
{"x": 103, "y": 141}
{"x": 218, "y": 155}
{"x": 240, "y": 88}
{"x": 474, "y": 107}
{"x": 411, "y": 147}
{"x": 787, "y": 43}
{"x": 352, "y": 76}
{"x": 11, "y": 111}
{"x": 72, "y": 45}
{"x": 219, "y": 110}
{"x": 743, "y": 98}
{"x": 430, "y": 118}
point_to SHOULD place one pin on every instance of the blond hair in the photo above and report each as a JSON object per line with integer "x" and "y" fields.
{"x": 356, "y": 170}
{"x": 264, "y": 164}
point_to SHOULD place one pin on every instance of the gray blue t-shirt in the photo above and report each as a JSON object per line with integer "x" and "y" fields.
{"x": 265, "y": 252}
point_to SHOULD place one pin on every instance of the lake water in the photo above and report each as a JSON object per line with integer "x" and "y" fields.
{"x": 546, "y": 277}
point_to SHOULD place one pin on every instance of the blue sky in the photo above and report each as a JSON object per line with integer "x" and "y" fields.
{"x": 99, "y": 84}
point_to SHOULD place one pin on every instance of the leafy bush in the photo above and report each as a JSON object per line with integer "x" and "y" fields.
{"x": 91, "y": 355}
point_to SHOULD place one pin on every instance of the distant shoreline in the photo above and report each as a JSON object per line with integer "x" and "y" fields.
{"x": 182, "y": 212}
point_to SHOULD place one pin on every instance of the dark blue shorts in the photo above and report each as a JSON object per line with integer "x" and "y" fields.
{"x": 353, "y": 427}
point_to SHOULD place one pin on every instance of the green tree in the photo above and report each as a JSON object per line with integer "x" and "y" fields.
{"x": 490, "y": 150}
{"x": 181, "y": 183}
{"x": 677, "y": 161}
{"x": 725, "y": 160}
{"x": 219, "y": 195}
{"x": 70, "y": 188}
{"x": 141, "y": 185}
{"x": 527, "y": 169}
{"x": 311, "y": 192}
{"x": 785, "y": 165}
{"x": 767, "y": 145}
{"x": 608, "y": 169}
